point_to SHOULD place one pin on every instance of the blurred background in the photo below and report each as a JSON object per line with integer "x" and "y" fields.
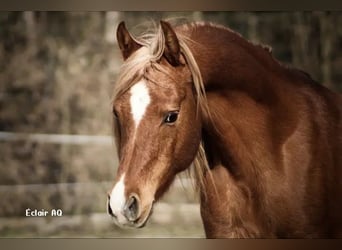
{"x": 57, "y": 71}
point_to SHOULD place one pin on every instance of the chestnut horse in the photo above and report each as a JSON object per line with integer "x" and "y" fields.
{"x": 265, "y": 140}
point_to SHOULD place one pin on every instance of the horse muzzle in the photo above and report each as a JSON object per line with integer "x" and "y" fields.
{"x": 130, "y": 213}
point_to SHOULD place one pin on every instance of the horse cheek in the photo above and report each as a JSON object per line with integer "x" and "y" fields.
{"x": 187, "y": 145}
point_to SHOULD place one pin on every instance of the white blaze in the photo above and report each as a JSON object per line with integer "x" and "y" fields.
{"x": 117, "y": 199}
{"x": 139, "y": 101}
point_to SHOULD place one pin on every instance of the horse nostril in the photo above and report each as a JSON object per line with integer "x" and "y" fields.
{"x": 109, "y": 209}
{"x": 131, "y": 209}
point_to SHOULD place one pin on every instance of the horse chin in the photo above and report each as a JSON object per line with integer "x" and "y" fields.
{"x": 139, "y": 223}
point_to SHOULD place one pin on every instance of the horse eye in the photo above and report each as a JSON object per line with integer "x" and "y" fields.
{"x": 171, "y": 117}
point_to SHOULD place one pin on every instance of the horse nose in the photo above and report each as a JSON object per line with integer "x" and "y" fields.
{"x": 131, "y": 208}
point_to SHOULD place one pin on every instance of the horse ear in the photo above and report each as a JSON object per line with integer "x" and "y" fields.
{"x": 172, "y": 48}
{"x": 126, "y": 43}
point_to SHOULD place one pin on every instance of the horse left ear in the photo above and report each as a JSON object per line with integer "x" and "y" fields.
{"x": 172, "y": 48}
{"x": 126, "y": 43}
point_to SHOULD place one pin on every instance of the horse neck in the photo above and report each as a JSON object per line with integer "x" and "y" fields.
{"x": 228, "y": 61}
{"x": 240, "y": 94}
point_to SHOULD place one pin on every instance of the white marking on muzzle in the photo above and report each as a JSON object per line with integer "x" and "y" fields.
{"x": 117, "y": 199}
{"x": 139, "y": 101}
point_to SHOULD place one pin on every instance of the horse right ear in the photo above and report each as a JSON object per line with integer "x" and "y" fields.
{"x": 126, "y": 43}
{"x": 172, "y": 47}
